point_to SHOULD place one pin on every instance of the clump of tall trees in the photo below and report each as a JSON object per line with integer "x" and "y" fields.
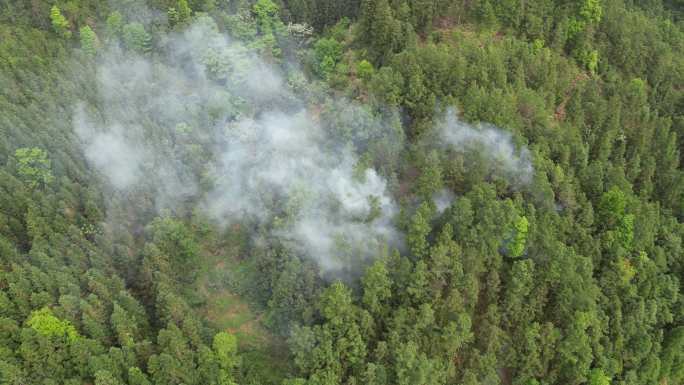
{"x": 572, "y": 277}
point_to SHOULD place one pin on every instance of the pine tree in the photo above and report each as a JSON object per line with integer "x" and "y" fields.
{"x": 89, "y": 41}
{"x": 114, "y": 24}
{"x": 419, "y": 229}
{"x": 184, "y": 11}
{"x": 136, "y": 38}
{"x": 59, "y": 22}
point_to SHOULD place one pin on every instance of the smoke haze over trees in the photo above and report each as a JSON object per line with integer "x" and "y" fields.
{"x": 341, "y": 192}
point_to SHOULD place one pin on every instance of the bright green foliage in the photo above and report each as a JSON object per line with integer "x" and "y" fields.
{"x": 34, "y": 166}
{"x": 45, "y": 323}
{"x": 517, "y": 245}
{"x": 591, "y": 11}
{"x": 328, "y": 53}
{"x": 598, "y": 377}
{"x": 616, "y": 220}
{"x": 266, "y": 12}
{"x": 89, "y": 41}
{"x": 59, "y": 22}
{"x": 184, "y": 11}
{"x": 269, "y": 28}
{"x": 625, "y": 270}
{"x": 589, "y": 59}
{"x": 364, "y": 70}
{"x": 612, "y": 206}
{"x": 225, "y": 347}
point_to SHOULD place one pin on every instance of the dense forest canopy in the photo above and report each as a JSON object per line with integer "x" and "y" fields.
{"x": 319, "y": 192}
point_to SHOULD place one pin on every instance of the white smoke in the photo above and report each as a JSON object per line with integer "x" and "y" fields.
{"x": 280, "y": 157}
{"x": 214, "y": 123}
{"x": 493, "y": 143}
{"x": 443, "y": 199}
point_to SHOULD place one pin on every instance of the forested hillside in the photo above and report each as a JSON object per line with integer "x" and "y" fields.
{"x": 320, "y": 192}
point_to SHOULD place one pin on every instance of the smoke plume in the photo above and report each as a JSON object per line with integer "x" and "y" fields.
{"x": 491, "y": 142}
{"x": 208, "y": 121}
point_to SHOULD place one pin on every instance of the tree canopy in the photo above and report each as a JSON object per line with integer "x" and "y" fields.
{"x": 309, "y": 192}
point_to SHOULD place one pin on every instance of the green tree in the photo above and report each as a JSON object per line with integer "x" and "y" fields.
{"x": 114, "y": 24}
{"x": 176, "y": 360}
{"x": 266, "y": 12}
{"x": 225, "y": 348}
{"x": 34, "y": 166}
{"x": 59, "y": 22}
{"x": 45, "y": 323}
{"x": 377, "y": 288}
{"x": 328, "y": 53}
{"x": 105, "y": 377}
{"x": 184, "y": 11}
{"x": 430, "y": 180}
{"x": 380, "y": 30}
{"x": 614, "y": 218}
{"x": 269, "y": 27}
{"x": 364, "y": 70}
{"x": 418, "y": 231}
{"x": 89, "y": 41}
{"x": 136, "y": 38}
{"x": 176, "y": 241}
{"x": 11, "y": 374}
{"x": 519, "y": 239}
{"x": 172, "y": 16}
{"x": 414, "y": 367}
{"x": 486, "y": 14}
{"x": 137, "y": 377}
{"x": 598, "y": 377}
{"x": 591, "y": 11}
{"x": 330, "y": 352}
{"x": 588, "y": 12}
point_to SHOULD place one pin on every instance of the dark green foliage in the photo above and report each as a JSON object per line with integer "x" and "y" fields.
{"x": 321, "y": 13}
{"x": 136, "y": 38}
{"x": 571, "y": 277}
{"x": 556, "y": 310}
{"x": 328, "y": 53}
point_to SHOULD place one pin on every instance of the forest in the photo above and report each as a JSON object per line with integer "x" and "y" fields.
{"x": 353, "y": 192}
